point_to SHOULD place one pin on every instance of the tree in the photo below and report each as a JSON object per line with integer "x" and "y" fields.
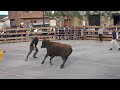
{"x": 58, "y": 15}
{"x": 61, "y": 15}
{"x": 107, "y": 15}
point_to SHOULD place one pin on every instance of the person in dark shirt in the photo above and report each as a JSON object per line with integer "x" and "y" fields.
{"x": 33, "y": 46}
{"x": 114, "y": 39}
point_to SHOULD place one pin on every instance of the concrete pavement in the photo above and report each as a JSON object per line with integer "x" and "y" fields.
{"x": 89, "y": 60}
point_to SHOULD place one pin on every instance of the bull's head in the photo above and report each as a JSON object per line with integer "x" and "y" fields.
{"x": 45, "y": 43}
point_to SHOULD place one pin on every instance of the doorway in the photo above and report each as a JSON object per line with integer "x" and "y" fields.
{"x": 116, "y": 19}
{"x": 94, "y": 20}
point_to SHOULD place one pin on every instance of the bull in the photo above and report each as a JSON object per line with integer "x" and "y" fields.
{"x": 56, "y": 49}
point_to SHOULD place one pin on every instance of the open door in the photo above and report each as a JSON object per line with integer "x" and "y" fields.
{"x": 116, "y": 19}
{"x": 12, "y": 23}
{"x": 94, "y": 20}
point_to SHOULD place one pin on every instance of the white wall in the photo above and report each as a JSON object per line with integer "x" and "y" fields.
{"x": 7, "y": 22}
{"x": 52, "y": 22}
{"x": 2, "y": 25}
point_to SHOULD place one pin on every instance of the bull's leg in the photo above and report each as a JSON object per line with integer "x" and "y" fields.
{"x": 64, "y": 60}
{"x": 51, "y": 59}
{"x": 44, "y": 59}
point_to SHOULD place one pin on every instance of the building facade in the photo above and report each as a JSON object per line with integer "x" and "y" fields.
{"x": 25, "y": 17}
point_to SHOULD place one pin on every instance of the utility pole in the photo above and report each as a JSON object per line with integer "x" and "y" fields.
{"x": 15, "y": 18}
{"x": 68, "y": 21}
{"x": 43, "y": 19}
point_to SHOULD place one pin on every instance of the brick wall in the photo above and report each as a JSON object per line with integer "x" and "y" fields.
{"x": 18, "y": 14}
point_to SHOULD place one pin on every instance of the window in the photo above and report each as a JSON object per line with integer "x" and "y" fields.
{"x": 94, "y": 20}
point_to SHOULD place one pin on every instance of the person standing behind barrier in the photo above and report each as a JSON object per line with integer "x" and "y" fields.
{"x": 100, "y": 33}
{"x": 31, "y": 30}
{"x": 33, "y": 46}
{"x": 114, "y": 39}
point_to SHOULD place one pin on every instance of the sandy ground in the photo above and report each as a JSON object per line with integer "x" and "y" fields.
{"x": 89, "y": 60}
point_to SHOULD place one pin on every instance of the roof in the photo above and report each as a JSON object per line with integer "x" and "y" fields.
{"x": 3, "y": 16}
{"x": 4, "y": 19}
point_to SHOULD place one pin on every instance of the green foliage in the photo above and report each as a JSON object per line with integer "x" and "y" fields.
{"x": 76, "y": 14}
{"x": 59, "y": 15}
{"x": 87, "y": 14}
{"x": 62, "y": 14}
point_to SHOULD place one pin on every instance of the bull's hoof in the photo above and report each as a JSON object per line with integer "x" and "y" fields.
{"x": 62, "y": 66}
{"x": 51, "y": 64}
{"x": 26, "y": 59}
{"x": 42, "y": 63}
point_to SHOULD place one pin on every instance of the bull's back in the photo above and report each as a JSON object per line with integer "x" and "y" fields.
{"x": 55, "y": 50}
{"x": 58, "y": 49}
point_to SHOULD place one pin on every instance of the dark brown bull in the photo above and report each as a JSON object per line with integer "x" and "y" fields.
{"x": 56, "y": 49}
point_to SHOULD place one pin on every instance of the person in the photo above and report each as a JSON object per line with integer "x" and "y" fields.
{"x": 20, "y": 26}
{"x": 100, "y": 32}
{"x": 31, "y": 30}
{"x": 27, "y": 25}
{"x": 33, "y": 46}
{"x": 114, "y": 39}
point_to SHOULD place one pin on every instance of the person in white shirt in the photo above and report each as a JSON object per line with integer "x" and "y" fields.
{"x": 100, "y": 33}
{"x": 115, "y": 36}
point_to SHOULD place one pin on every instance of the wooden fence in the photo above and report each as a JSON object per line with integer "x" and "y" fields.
{"x": 72, "y": 34}
{"x": 27, "y": 34}
{"x": 91, "y": 32}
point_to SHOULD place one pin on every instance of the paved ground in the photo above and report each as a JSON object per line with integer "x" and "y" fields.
{"x": 89, "y": 60}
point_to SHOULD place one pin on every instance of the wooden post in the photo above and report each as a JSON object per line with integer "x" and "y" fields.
{"x": 6, "y": 36}
{"x": 16, "y": 34}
